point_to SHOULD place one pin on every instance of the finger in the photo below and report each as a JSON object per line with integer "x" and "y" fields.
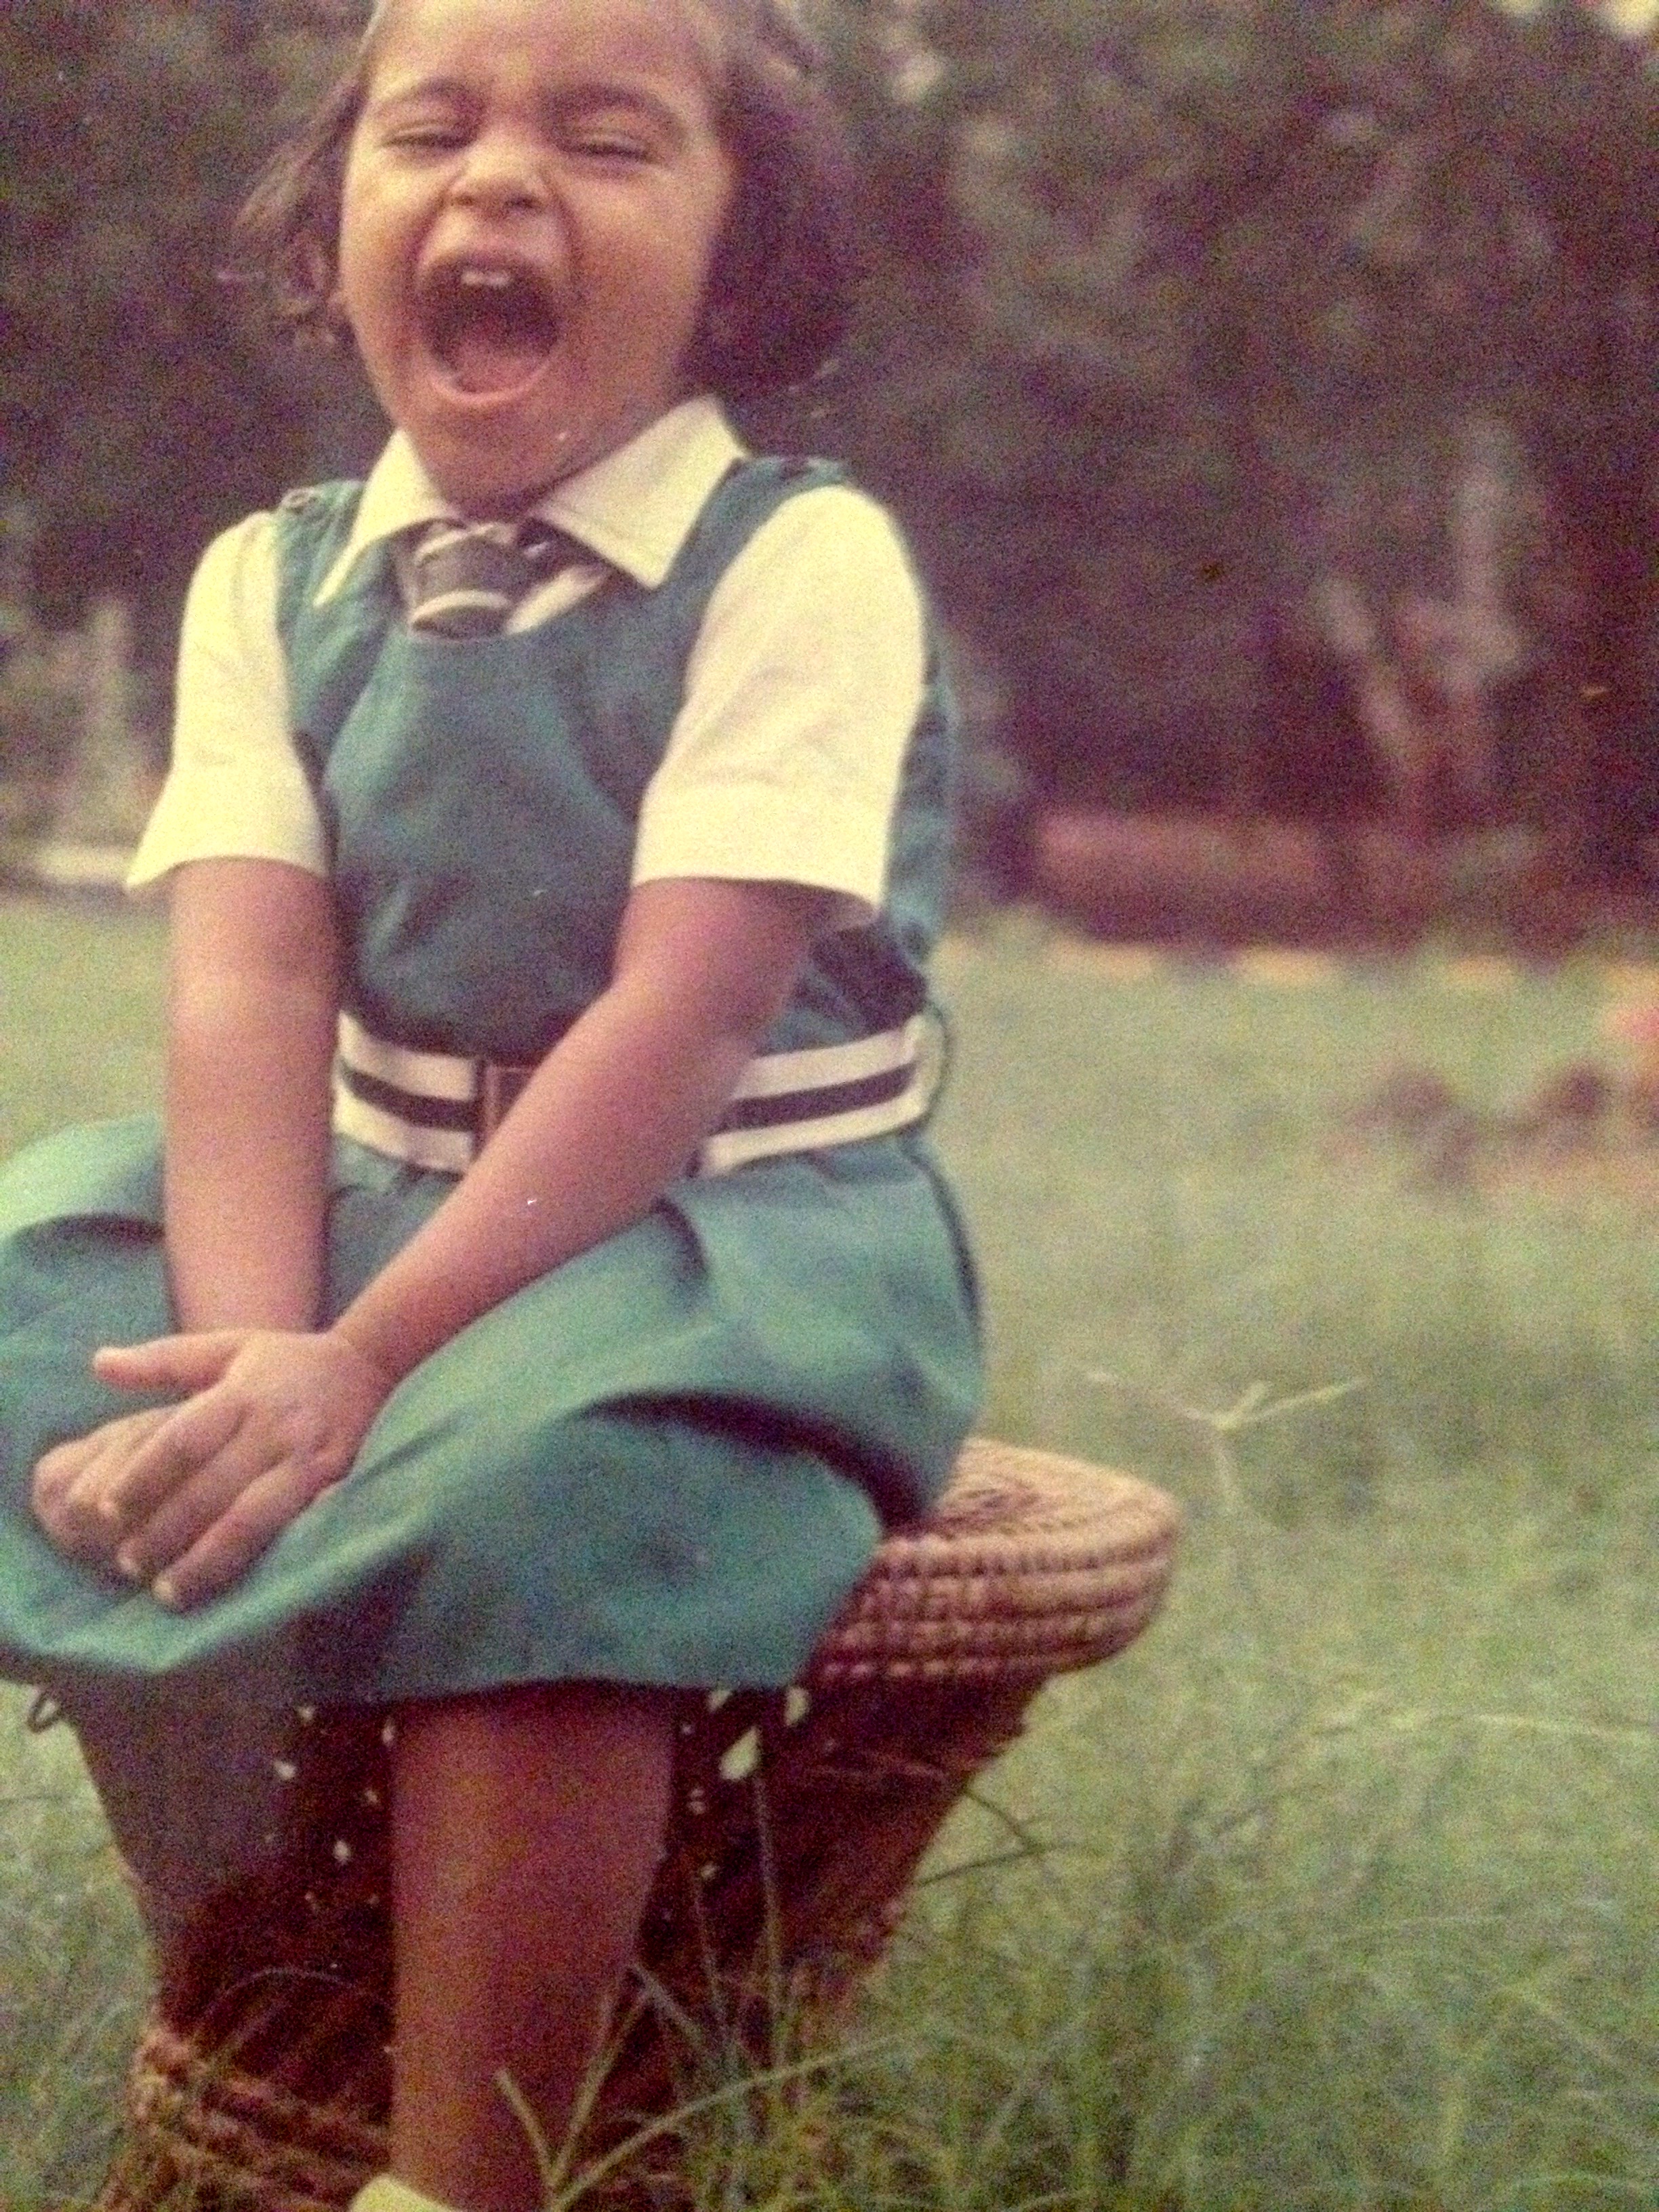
{"x": 104, "y": 1449}
{"x": 186, "y": 1440}
{"x": 151, "y": 1546}
{"x": 185, "y": 1364}
{"x": 58, "y": 1471}
{"x": 65, "y": 1496}
{"x": 111, "y": 1450}
{"x": 69, "y": 1482}
{"x": 226, "y": 1550}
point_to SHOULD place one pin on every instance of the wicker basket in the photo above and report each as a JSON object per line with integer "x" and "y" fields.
{"x": 262, "y": 2079}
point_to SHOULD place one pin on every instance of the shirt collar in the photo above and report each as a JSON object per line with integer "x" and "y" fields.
{"x": 634, "y": 508}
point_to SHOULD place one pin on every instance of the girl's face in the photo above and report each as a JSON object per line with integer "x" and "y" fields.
{"x": 532, "y": 197}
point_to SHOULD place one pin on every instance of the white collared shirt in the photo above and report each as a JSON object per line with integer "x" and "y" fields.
{"x": 801, "y": 689}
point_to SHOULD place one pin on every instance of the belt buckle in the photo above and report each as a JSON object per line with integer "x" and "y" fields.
{"x": 499, "y": 1083}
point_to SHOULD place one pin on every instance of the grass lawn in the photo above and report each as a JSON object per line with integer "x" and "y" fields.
{"x": 1339, "y": 1889}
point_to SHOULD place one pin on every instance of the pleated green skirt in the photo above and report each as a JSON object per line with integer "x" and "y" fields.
{"x": 666, "y": 1463}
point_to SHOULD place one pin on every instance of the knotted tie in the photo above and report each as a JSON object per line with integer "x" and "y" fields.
{"x": 465, "y": 579}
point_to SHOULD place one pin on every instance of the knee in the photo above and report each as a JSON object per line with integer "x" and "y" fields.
{"x": 613, "y": 1739}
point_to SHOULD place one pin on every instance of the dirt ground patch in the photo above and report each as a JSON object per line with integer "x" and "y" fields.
{"x": 1582, "y": 1136}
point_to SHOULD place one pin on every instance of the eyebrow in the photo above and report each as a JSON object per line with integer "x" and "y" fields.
{"x": 451, "y": 90}
{"x": 574, "y": 101}
{"x": 568, "y": 103}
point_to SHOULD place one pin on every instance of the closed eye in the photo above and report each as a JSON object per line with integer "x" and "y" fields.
{"x": 610, "y": 145}
{"x": 424, "y": 137}
{"x": 608, "y": 123}
{"x": 435, "y": 114}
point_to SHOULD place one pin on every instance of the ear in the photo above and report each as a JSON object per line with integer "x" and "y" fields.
{"x": 323, "y": 272}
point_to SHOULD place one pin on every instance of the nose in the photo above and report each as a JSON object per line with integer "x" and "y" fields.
{"x": 503, "y": 173}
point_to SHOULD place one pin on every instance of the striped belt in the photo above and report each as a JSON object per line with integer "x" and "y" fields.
{"x": 436, "y": 1109}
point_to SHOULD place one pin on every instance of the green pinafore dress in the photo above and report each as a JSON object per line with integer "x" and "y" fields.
{"x": 668, "y": 1461}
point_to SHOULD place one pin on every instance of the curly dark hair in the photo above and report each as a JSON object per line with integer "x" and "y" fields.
{"x": 785, "y": 270}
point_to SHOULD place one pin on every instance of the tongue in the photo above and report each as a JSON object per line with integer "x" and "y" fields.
{"x": 483, "y": 360}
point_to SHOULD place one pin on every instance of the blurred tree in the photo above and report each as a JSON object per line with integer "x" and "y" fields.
{"x": 1182, "y": 301}
{"x": 138, "y": 411}
{"x": 1180, "y": 308}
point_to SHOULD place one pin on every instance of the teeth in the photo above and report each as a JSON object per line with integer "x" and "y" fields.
{"x": 493, "y": 280}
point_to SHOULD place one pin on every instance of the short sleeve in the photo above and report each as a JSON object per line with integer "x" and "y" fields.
{"x": 236, "y": 788}
{"x": 801, "y": 693}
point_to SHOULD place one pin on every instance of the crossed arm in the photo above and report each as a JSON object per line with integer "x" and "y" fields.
{"x": 184, "y": 1498}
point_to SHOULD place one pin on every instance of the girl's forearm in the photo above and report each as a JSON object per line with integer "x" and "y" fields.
{"x": 247, "y": 1162}
{"x": 610, "y": 1118}
{"x": 251, "y": 1040}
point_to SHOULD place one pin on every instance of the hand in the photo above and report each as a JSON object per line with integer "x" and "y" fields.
{"x": 73, "y": 1481}
{"x": 274, "y": 1420}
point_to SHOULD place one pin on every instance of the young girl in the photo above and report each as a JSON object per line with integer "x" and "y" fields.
{"x": 543, "y": 1293}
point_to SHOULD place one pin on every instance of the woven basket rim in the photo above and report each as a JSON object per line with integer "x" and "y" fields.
{"x": 1032, "y": 1563}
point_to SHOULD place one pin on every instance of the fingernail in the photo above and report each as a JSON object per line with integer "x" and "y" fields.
{"x": 164, "y": 1591}
{"x": 126, "y": 1563}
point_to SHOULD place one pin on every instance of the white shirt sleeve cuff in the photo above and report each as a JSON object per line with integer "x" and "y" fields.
{"x": 757, "y": 833}
{"x": 237, "y": 789}
{"x": 231, "y": 815}
{"x": 785, "y": 762}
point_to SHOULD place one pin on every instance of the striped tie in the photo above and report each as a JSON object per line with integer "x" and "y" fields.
{"x": 465, "y": 579}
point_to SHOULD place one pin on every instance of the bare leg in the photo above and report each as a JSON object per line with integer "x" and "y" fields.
{"x": 527, "y": 1826}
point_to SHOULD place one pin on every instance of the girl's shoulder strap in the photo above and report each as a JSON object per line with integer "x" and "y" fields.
{"x": 761, "y": 482}
{"x": 771, "y": 478}
{"x": 330, "y": 649}
{"x": 312, "y": 527}
{"x": 748, "y": 495}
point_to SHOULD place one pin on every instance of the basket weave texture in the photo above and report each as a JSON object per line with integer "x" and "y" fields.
{"x": 262, "y": 2077}
{"x": 1030, "y": 1565}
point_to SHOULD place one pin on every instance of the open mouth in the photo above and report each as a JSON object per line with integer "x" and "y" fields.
{"x": 490, "y": 325}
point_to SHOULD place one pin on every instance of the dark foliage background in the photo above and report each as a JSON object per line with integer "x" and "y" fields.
{"x": 1179, "y": 308}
